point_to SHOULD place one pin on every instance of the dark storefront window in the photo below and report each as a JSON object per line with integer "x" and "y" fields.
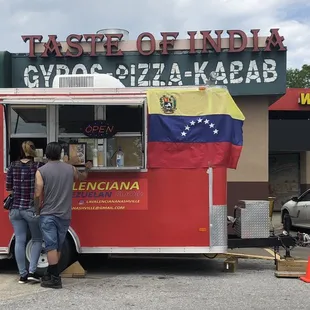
{"x": 288, "y": 131}
{"x": 289, "y": 115}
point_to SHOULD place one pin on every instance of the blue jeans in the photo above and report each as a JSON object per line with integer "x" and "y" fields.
{"x": 22, "y": 220}
{"x": 54, "y": 231}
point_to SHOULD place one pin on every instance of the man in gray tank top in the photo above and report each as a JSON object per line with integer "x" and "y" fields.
{"x": 53, "y": 192}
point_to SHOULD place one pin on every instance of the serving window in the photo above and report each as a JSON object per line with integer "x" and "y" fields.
{"x": 72, "y": 116}
{"x": 25, "y": 123}
{"x": 112, "y": 136}
{"x": 70, "y": 120}
{"x": 129, "y": 122}
{"x": 28, "y": 120}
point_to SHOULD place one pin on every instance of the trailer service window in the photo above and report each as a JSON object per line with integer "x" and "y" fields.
{"x": 25, "y": 123}
{"x": 122, "y": 148}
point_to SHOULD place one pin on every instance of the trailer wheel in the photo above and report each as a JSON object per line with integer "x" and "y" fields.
{"x": 287, "y": 222}
{"x": 42, "y": 262}
{"x": 65, "y": 259}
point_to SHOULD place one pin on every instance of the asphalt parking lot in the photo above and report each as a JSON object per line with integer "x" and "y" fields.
{"x": 163, "y": 283}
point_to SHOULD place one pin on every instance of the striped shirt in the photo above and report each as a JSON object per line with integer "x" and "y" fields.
{"x": 20, "y": 179}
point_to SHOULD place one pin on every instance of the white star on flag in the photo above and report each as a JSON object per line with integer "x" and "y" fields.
{"x": 193, "y": 123}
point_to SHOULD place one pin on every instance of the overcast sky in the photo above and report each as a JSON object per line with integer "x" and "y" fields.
{"x": 45, "y": 17}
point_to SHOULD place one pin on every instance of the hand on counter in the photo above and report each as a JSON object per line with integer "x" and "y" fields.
{"x": 88, "y": 165}
{"x": 74, "y": 160}
{"x": 81, "y": 176}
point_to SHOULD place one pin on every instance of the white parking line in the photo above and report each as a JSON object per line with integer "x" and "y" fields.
{"x": 272, "y": 253}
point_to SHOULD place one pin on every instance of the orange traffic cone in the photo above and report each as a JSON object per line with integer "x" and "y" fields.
{"x": 306, "y": 278}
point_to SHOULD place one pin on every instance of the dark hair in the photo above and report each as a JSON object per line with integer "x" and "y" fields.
{"x": 53, "y": 151}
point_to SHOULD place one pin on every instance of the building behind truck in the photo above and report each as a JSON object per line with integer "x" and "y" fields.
{"x": 58, "y": 91}
{"x": 289, "y": 148}
{"x": 252, "y": 67}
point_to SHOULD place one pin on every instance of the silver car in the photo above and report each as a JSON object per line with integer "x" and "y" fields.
{"x": 296, "y": 212}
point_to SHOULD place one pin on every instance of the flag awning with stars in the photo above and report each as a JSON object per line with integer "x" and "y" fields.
{"x": 194, "y": 129}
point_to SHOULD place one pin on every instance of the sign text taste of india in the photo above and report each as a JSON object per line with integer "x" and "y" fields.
{"x": 111, "y": 43}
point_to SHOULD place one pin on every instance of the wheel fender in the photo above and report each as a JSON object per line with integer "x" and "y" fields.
{"x": 75, "y": 239}
{"x": 72, "y": 233}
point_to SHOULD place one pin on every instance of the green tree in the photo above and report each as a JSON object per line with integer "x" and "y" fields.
{"x": 296, "y": 78}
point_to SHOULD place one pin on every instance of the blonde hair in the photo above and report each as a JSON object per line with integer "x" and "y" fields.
{"x": 28, "y": 149}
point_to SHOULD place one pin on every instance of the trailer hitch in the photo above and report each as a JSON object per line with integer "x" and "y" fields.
{"x": 301, "y": 240}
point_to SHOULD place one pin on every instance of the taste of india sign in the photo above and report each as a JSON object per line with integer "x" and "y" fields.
{"x": 245, "y": 73}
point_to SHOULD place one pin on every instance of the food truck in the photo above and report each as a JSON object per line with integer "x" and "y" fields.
{"x": 142, "y": 195}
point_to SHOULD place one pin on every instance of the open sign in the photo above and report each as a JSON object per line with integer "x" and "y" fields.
{"x": 99, "y": 129}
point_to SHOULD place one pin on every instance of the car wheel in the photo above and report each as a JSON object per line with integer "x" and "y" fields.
{"x": 287, "y": 222}
{"x": 64, "y": 262}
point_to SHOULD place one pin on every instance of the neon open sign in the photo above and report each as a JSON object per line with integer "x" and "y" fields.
{"x": 99, "y": 129}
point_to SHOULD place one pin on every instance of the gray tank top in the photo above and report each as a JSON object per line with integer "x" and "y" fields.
{"x": 58, "y": 178}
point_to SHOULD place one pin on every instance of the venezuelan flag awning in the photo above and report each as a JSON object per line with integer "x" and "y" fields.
{"x": 194, "y": 129}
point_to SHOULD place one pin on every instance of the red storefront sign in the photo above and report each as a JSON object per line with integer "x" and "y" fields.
{"x": 110, "y": 195}
{"x": 295, "y": 99}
